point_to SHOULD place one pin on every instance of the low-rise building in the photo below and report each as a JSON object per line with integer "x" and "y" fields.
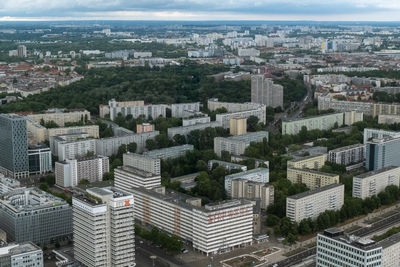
{"x": 227, "y": 165}
{"x": 169, "y": 152}
{"x": 70, "y": 172}
{"x": 260, "y": 175}
{"x": 348, "y": 155}
{"x": 21, "y": 255}
{"x": 236, "y": 145}
{"x": 213, "y": 228}
{"x": 372, "y": 183}
{"x": 91, "y": 130}
{"x": 322, "y": 122}
{"x": 311, "y": 203}
{"x": 242, "y": 188}
{"x": 311, "y": 178}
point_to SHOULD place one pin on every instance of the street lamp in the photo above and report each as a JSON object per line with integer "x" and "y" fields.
{"x": 153, "y": 259}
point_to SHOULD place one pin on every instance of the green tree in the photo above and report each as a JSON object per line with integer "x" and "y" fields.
{"x": 131, "y": 147}
{"x": 151, "y": 144}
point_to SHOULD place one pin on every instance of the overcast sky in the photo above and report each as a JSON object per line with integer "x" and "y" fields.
{"x": 325, "y": 10}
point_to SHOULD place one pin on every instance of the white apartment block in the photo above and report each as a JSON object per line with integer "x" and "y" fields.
{"x": 127, "y": 177}
{"x": 70, "y": 172}
{"x": 212, "y": 229}
{"x": 311, "y": 178}
{"x": 248, "y": 52}
{"x": 185, "y": 130}
{"x": 322, "y": 122}
{"x": 348, "y": 155}
{"x": 62, "y": 117}
{"x": 109, "y": 146}
{"x": 390, "y": 250}
{"x": 311, "y": 203}
{"x": 260, "y": 175}
{"x": 142, "y": 162}
{"x": 227, "y": 165}
{"x": 388, "y": 119}
{"x": 224, "y": 118}
{"x": 236, "y": 145}
{"x": 21, "y": 255}
{"x": 264, "y": 91}
{"x": 334, "y": 248}
{"x": 184, "y": 110}
{"x": 149, "y": 111}
{"x": 213, "y": 104}
{"x": 169, "y": 152}
{"x": 97, "y": 242}
{"x": 378, "y": 134}
{"x": 308, "y": 162}
{"x": 105, "y": 109}
{"x": 372, "y": 183}
{"x": 70, "y": 147}
{"x": 246, "y": 189}
{"x": 197, "y": 120}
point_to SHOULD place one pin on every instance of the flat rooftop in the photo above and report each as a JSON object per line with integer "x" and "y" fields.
{"x": 257, "y": 170}
{"x": 390, "y": 241}
{"x": 15, "y": 249}
{"x": 315, "y": 171}
{"x": 347, "y": 148}
{"x": 315, "y": 191}
{"x": 352, "y": 240}
{"x": 305, "y": 158}
{"x": 368, "y": 174}
{"x": 136, "y": 171}
{"x": 313, "y": 117}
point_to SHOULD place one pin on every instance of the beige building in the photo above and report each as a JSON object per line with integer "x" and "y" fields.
{"x": 388, "y": 119}
{"x": 242, "y": 188}
{"x": 311, "y": 178}
{"x": 144, "y": 128}
{"x": 91, "y": 130}
{"x": 62, "y": 117}
{"x": 309, "y": 162}
{"x": 311, "y": 203}
{"x": 238, "y": 126}
{"x": 352, "y": 117}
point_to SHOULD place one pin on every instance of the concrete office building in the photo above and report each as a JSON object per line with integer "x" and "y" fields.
{"x": 169, "y": 152}
{"x": 142, "y": 162}
{"x": 351, "y": 117}
{"x": 238, "y": 126}
{"x": 184, "y": 110}
{"x": 236, "y": 145}
{"x": 227, "y": 165}
{"x": 322, "y": 122}
{"x": 144, "y": 128}
{"x": 308, "y": 162}
{"x": 109, "y": 146}
{"x": 311, "y": 178}
{"x": 97, "y": 240}
{"x": 148, "y": 111}
{"x": 14, "y": 160}
{"x": 381, "y": 153}
{"x": 264, "y": 91}
{"x": 21, "y": 255}
{"x": 40, "y": 161}
{"x": 388, "y": 119}
{"x": 213, "y": 228}
{"x": 196, "y": 120}
{"x": 242, "y": 188}
{"x": 311, "y": 203}
{"x": 60, "y": 117}
{"x": 348, "y": 155}
{"x": 260, "y": 175}
{"x": 33, "y": 215}
{"x": 72, "y": 146}
{"x": 335, "y": 248}
{"x": 378, "y": 134}
{"x": 8, "y": 184}
{"x": 185, "y": 130}
{"x": 372, "y": 183}
{"x": 70, "y": 172}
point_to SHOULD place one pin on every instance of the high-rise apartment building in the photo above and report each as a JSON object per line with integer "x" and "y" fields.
{"x": 184, "y": 110}
{"x": 311, "y": 203}
{"x": 322, "y": 122}
{"x": 309, "y": 162}
{"x": 311, "y": 178}
{"x": 236, "y": 145}
{"x": 14, "y": 160}
{"x": 347, "y": 155}
{"x": 70, "y": 172}
{"x": 61, "y": 117}
{"x": 21, "y": 51}
{"x": 238, "y": 126}
{"x": 260, "y": 175}
{"x": 21, "y": 255}
{"x": 372, "y": 183}
{"x": 381, "y": 153}
{"x": 33, "y": 215}
{"x": 264, "y": 91}
{"x": 104, "y": 228}
{"x": 136, "y": 109}
{"x": 142, "y": 162}
{"x": 72, "y": 146}
{"x": 351, "y": 117}
{"x": 242, "y": 188}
